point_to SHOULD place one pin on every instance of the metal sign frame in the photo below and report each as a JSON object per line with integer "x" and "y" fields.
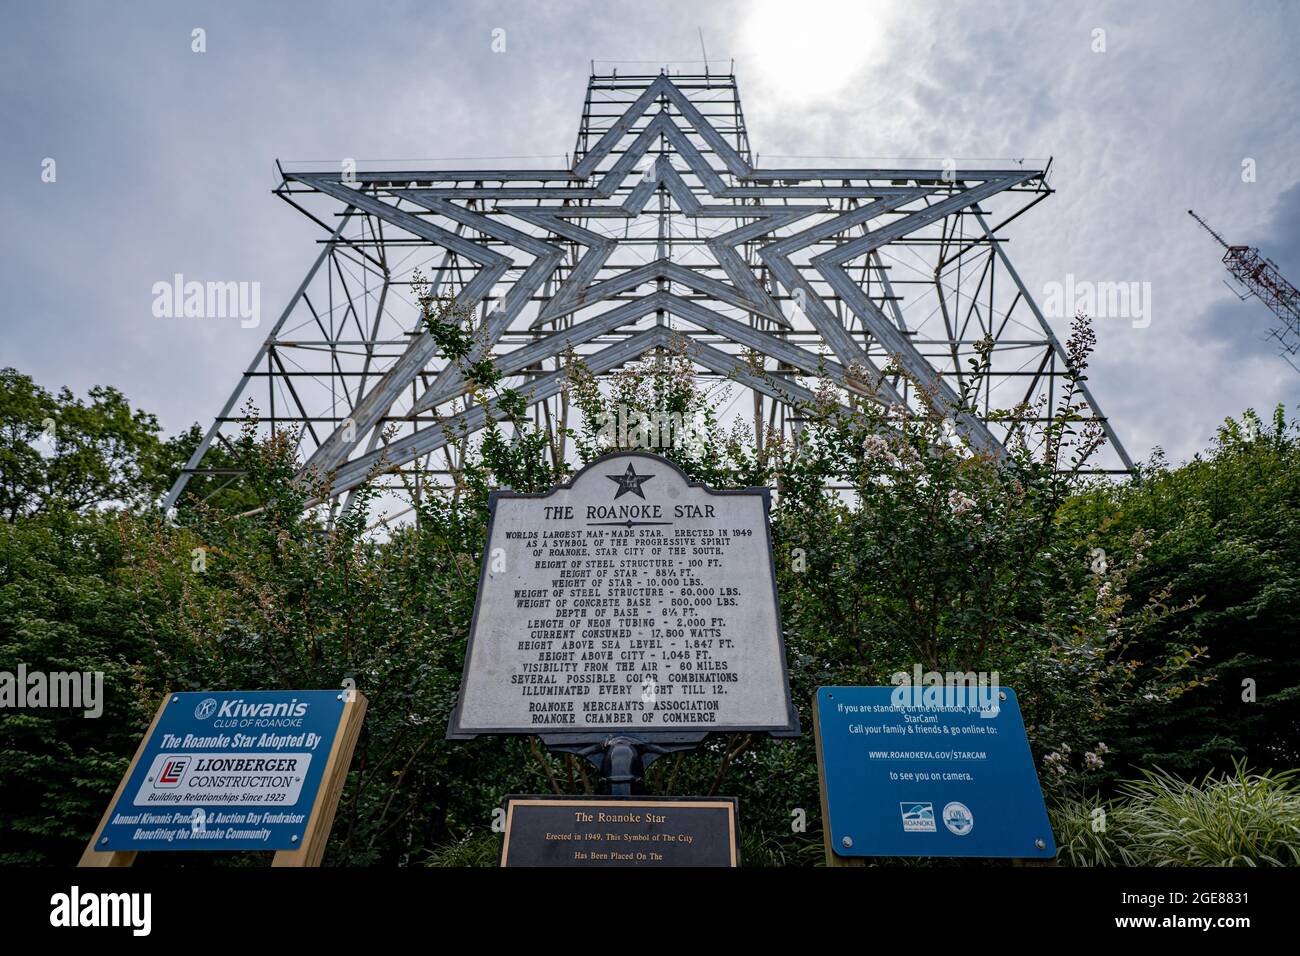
{"x": 730, "y": 805}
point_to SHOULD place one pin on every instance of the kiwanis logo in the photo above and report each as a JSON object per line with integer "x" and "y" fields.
{"x": 207, "y": 707}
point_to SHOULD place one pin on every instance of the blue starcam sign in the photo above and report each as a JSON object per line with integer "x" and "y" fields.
{"x": 930, "y": 771}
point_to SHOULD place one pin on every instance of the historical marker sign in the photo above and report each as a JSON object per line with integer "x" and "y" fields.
{"x": 227, "y": 770}
{"x": 642, "y": 832}
{"x": 628, "y": 601}
{"x": 954, "y": 778}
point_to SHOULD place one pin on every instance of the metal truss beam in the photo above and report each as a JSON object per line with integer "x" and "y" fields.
{"x": 663, "y": 230}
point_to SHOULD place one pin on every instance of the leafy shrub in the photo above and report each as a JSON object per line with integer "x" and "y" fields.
{"x": 481, "y": 848}
{"x": 933, "y": 555}
{"x": 1236, "y": 819}
{"x": 1088, "y": 832}
{"x": 1223, "y": 531}
{"x": 1239, "y": 819}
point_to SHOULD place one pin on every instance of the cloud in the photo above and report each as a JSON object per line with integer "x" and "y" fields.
{"x": 165, "y": 157}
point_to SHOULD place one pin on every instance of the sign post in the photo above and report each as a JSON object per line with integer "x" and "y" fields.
{"x": 624, "y": 615}
{"x": 237, "y": 770}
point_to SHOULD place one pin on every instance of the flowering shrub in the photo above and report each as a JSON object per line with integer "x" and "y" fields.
{"x": 896, "y": 543}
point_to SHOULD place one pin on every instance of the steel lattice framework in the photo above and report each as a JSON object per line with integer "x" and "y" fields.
{"x": 662, "y": 229}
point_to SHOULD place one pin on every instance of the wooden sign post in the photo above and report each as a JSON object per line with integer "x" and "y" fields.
{"x": 93, "y": 857}
{"x": 321, "y": 820}
{"x": 327, "y": 783}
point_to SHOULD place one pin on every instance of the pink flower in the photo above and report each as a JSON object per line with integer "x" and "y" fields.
{"x": 959, "y": 502}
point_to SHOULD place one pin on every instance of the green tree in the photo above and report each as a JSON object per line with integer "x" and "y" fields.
{"x": 57, "y": 451}
{"x": 896, "y": 544}
{"x": 1223, "y": 531}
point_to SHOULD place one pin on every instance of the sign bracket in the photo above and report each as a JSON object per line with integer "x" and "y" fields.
{"x": 622, "y": 759}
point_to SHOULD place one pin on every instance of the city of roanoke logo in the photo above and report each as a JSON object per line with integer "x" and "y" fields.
{"x": 207, "y": 707}
{"x": 629, "y": 481}
{"x": 917, "y": 817}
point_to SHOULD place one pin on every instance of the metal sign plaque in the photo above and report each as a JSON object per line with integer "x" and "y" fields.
{"x": 906, "y": 776}
{"x": 628, "y": 601}
{"x": 227, "y": 770}
{"x": 642, "y": 832}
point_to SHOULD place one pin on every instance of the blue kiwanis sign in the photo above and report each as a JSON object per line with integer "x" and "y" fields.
{"x": 231, "y": 770}
{"x": 929, "y": 772}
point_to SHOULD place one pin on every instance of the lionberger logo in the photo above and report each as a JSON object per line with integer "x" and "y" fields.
{"x": 172, "y": 772}
{"x": 917, "y": 817}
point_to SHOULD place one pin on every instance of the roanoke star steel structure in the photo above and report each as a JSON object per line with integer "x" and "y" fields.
{"x": 661, "y": 232}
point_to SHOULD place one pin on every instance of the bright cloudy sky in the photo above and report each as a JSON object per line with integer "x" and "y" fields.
{"x": 165, "y": 158}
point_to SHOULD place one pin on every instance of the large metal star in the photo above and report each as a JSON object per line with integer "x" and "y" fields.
{"x": 534, "y": 256}
{"x": 760, "y": 205}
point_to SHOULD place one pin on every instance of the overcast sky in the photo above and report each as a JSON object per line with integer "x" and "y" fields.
{"x": 164, "y": 158}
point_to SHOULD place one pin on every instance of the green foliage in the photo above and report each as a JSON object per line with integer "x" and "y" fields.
{"x": 482, "y": 848}
{"x": 58, "y": 451}
{"x": 896, "y": 543}
{"x": 955, "y": 561}
{"x": 1236, "y": 819}
{"x": 1222, "y": 531}
{"x": 214, "y": 487}
{"x": 61, "y": 610}
{"x": 1088, "y": 832}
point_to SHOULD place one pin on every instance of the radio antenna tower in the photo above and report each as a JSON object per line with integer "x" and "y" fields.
{"x": 1260, "y": 276}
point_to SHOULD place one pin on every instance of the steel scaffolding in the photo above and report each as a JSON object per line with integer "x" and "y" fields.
{"x": 661, "y": 229}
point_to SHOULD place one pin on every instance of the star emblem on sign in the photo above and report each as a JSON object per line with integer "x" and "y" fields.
{"x": 629, "y": 481}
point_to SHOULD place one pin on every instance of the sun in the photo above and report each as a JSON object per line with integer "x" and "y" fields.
{"x": 811, "y": 48}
